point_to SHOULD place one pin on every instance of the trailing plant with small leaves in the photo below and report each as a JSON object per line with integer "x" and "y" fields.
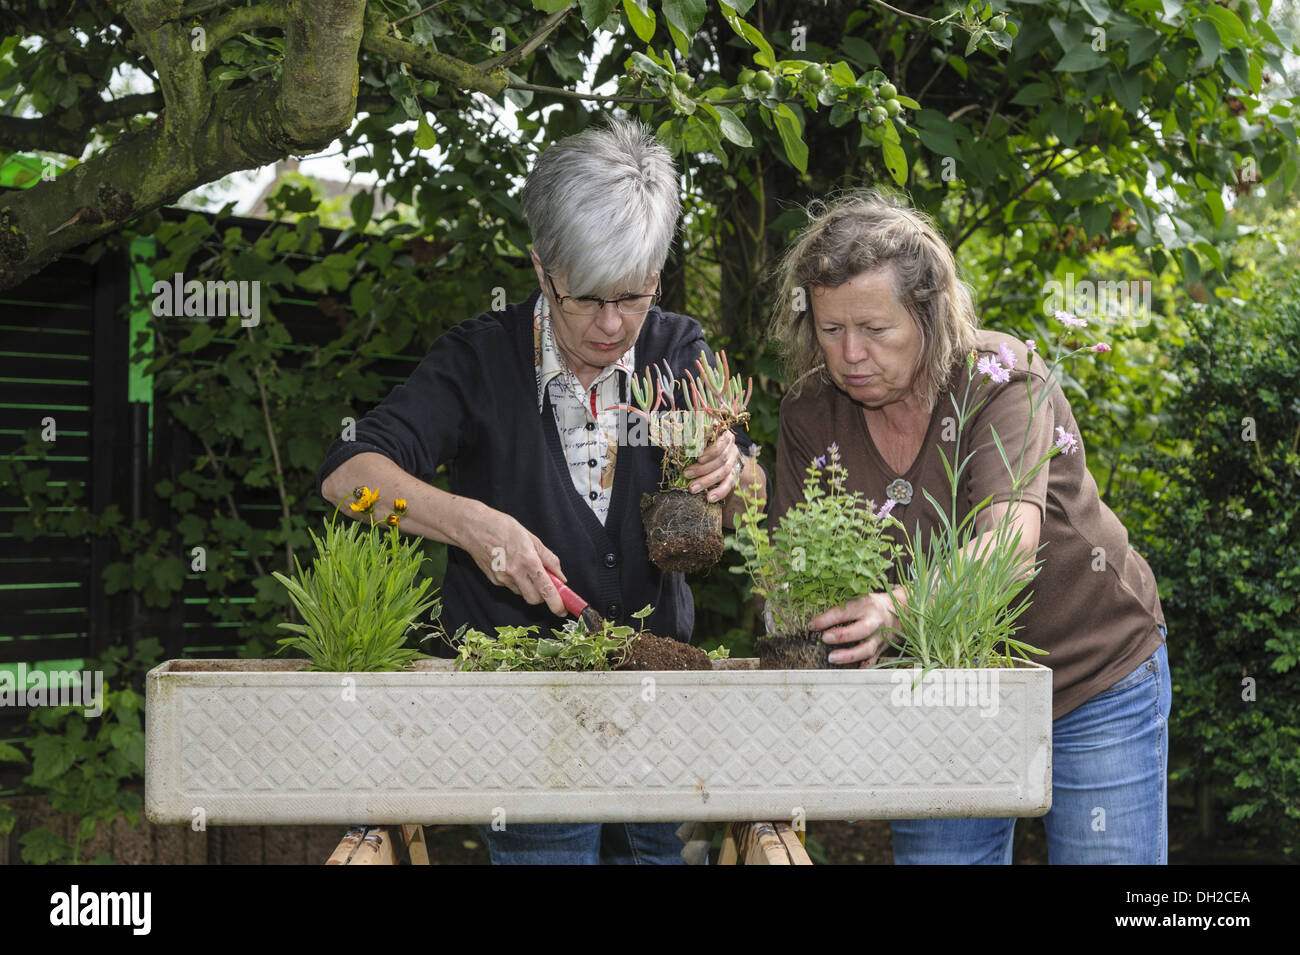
{"x": 828, "y": 549}
{"x": 361, "y": 598}
{"x": 574, "y": 647}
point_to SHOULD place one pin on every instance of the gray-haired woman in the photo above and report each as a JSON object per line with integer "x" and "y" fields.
{"x": 878, "y": 341}
{"x": 544, "y": 473}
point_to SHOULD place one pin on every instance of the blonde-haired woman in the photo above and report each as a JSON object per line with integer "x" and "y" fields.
{"x": 876, "y": 327}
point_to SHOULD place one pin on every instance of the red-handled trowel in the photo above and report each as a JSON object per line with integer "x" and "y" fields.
{"x": 576, "y": 605}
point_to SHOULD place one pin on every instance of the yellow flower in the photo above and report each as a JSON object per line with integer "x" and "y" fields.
{"x": 399, "y": 505}
{"x": 393, "y": 519}
{"x": 366, "y": 500}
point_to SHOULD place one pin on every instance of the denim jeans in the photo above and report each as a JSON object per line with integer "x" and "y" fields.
{"x": 611, "y": 843}
{"x": 1109, "y": 759}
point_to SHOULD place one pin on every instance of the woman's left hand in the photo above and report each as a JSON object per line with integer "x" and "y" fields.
{"x": 715, "y": 468}
{"x": 857, "y": 622}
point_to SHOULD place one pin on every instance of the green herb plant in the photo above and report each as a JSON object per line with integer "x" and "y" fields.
{"x": 361, "y": 598}
{"x": 713, "y": 402}
{"x": 829, "y": 548}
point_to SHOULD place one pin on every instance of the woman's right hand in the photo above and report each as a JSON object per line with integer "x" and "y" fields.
{"x": 510, "y": 555}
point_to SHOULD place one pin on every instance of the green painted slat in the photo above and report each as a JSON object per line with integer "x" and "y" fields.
{"x": 27, "y": 304}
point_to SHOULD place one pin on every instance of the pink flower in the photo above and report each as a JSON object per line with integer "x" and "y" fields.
{"x": 1101, "y": 347}
{"x": 885, "y": 509}
{"x": 1065, "y": 318}
{"x": 1007, "y": 355}
{"x": 1029, "y": 343}
{"x": 989, "y": 366}
{"x": 1067, "y": 442}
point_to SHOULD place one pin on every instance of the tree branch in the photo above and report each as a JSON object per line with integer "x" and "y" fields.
{"x": 379, "y": 39}
{"x": 208, "y": 136}
{"x": 1018, "y": 193}
{"x": 570, "y": 94}
{"x": 53, "y": 134}
{"x": 903, "y": 13}
{"x": 511, "y": 57}
{"x": 42, "y": 133}
{"x": 244, "y": 20}
{"x": 615, "y": 98}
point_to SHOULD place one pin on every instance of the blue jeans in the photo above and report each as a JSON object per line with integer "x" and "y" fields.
{"x": 1109, "y": 759}
{"x": 585, "y": 843}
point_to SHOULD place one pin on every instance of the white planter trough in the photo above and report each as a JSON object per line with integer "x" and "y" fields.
{"x": 246, "y": 742}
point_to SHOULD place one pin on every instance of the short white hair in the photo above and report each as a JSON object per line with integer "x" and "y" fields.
{"x": 603, "y": 207}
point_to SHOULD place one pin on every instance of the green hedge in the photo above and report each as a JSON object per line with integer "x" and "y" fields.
{"x": 1223, "y": 536}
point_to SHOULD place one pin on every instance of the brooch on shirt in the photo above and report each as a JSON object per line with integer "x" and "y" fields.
{"x": 900, "y": 491}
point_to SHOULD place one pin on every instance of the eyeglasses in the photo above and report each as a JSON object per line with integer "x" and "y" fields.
{"x": 587, "y": 306}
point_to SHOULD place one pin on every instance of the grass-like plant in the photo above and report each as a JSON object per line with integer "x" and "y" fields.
{"x": 713, "y": 401}
{"x": 828, "y": 549}
{"x": 361, "y": 597}
{"x": 959, "y": 603}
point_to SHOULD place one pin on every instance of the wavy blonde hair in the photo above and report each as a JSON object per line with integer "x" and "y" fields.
{"x": 861, "y": 231}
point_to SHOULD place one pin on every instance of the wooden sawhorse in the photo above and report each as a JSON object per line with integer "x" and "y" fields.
{"x": 747, "y": 843}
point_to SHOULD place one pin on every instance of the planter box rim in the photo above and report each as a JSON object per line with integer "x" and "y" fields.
{"x": 220, "y": 665}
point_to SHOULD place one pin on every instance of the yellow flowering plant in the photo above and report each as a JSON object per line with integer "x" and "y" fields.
{"x": 361, "y": 597}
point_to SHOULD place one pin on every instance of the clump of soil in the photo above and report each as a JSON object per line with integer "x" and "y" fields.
{"x": 649, "y": 652}
{"x": 683, "y": 531}
{"x": 800, "y": 651}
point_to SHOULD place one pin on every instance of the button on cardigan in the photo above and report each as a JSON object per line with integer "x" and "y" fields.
{"x": 471, "y": 403}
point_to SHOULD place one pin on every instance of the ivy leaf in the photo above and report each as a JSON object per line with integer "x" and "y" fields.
{"x": 41, "y": 846}
{"x": 199, "y": 337}
{"x": 191, "y": 528}
{"x": 52, "y": 756}
{"x": 550, "y": 6}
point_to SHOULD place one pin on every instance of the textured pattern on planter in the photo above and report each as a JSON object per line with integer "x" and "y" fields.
{"x": 435, "y": 746}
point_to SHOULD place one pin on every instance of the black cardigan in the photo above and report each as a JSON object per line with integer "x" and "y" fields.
{"x": 472, "y": 403}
